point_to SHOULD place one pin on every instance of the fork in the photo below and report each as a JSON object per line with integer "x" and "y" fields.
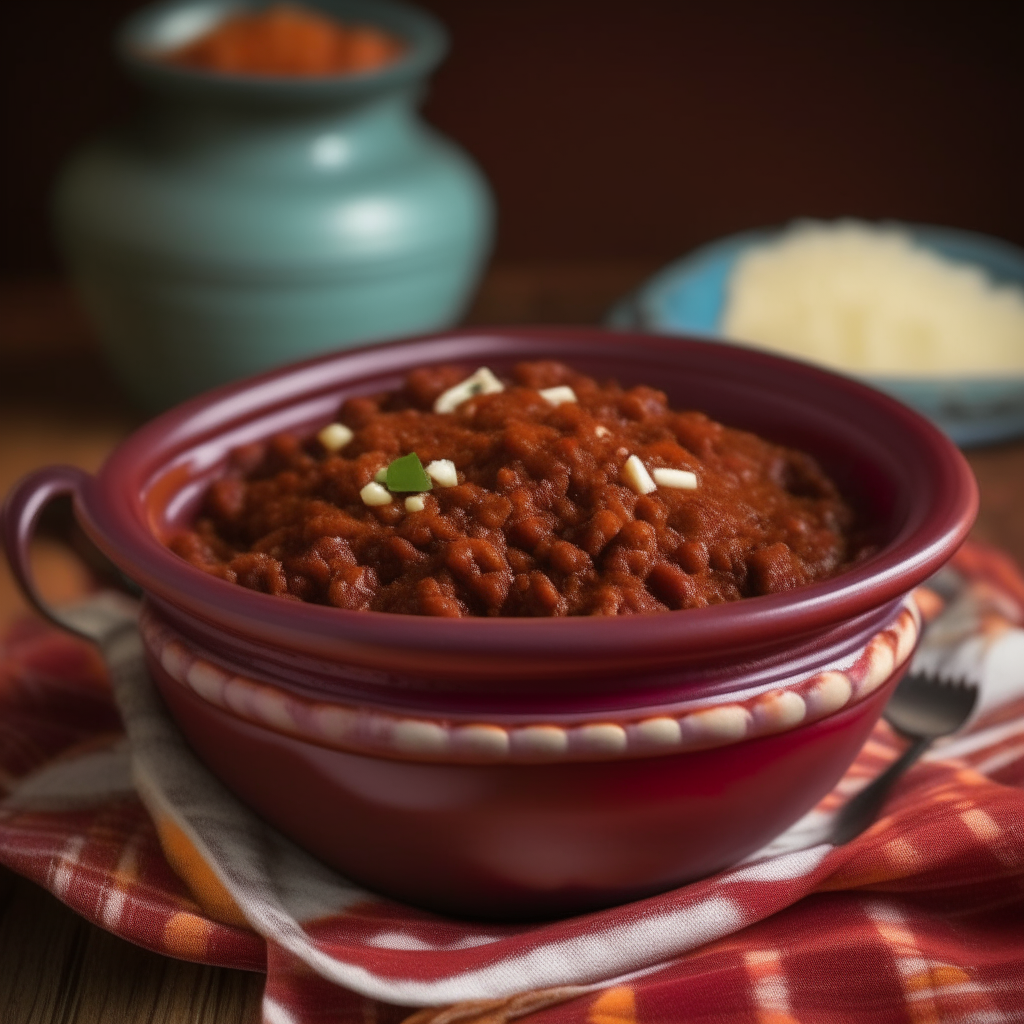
{"x": 922, "y": 708}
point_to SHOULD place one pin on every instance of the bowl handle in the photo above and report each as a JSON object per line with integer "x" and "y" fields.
{"x": 18, "y": 521}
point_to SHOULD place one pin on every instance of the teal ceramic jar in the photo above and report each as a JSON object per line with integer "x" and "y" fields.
{"x": 242, "y": 222}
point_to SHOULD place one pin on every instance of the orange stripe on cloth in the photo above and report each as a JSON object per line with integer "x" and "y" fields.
{"x": 884, "y": 860}
{"x": 187, "y": 936}
{"x": 768, "y": 986}
{"x": 935, "y": 978}
{"x": 189, "y": 865}
{"x": 613, "y": 1006}
{"x": 929, "y": 604}
{"x": 935, "y": 991}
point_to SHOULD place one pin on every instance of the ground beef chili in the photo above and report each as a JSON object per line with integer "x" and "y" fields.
{"x": 546, "y": 517}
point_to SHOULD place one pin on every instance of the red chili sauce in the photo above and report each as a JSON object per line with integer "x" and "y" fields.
{"x": 546, "y": 517}
{"x": 291, "y": 41}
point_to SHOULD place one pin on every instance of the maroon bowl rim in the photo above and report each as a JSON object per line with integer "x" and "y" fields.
{"x": 941, "y": 491}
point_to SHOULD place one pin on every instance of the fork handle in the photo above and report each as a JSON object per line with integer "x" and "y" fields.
{"x": 860, "y": 811}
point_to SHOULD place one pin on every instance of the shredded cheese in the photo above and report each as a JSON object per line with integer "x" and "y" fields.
{"x": 335, "y": 436}
{"x": 868, "y": 299}
{"x": 442, "y": 472}
{"x": 375, "y": 494}
{"x": 635, "y": 475}
{"x": 679, "y": 479}
{"x": 483, "y": 382}
{"x": 558, "y": 395}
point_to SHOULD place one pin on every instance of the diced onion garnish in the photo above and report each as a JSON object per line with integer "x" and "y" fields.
{"x": 407, "y": 474}
{"x": 602, "y": 431}
{"x": 375, "y": 494}
{"x": 415, "y": 503}
{"x": 680, "y": 479}
{"x": 381, "y": 475}
{"x": 483, "y": 382}
{"x": 335, "y": 436}
{"x": 558, "y": 395}
{"x": 442, "y": 472}
{"x": 635, "y": 474}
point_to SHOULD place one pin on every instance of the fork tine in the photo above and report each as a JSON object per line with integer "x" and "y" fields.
{"x": 928, "y": 704}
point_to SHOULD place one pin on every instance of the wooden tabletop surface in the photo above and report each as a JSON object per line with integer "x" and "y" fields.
{"x": 57, "y": 404}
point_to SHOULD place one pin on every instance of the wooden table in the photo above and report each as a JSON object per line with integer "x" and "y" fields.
{"x": 57, "y": 404}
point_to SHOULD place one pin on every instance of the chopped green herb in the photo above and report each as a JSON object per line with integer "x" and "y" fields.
{"x": 407, "y": 474}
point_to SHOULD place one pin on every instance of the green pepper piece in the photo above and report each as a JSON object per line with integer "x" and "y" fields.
{"x": 407, "y": 474}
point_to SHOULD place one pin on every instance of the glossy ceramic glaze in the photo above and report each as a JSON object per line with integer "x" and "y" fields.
{"x": 238, "y": 222}
{"x": 688, "y": 297}
{"x": 389, "y": 791}
{"x": 526, "y": 841}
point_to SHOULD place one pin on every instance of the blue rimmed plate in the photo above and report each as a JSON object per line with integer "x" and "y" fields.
{"x": 688, "y": 297}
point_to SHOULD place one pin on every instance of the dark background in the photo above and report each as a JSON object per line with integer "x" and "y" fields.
{"x": 628, "y": 131}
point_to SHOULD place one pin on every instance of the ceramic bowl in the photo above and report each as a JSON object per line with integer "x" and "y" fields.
{"x": 688, "y": 298}
{"x": 523, "y": 768}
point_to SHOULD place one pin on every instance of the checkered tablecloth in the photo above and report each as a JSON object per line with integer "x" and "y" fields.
{"x": 920, "y": 919}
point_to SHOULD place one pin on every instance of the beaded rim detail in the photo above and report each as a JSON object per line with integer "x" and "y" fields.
{"x": 414, "y": 736}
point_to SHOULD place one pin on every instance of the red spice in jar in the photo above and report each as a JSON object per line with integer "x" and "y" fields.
{"x": 288, "y": 40}
{"x": 552, "y": 505}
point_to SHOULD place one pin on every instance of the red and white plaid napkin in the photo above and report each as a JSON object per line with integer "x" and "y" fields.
{"x": 921, "y": 918}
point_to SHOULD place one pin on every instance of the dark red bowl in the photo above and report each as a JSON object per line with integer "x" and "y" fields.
{"x": 509, "y": 766}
